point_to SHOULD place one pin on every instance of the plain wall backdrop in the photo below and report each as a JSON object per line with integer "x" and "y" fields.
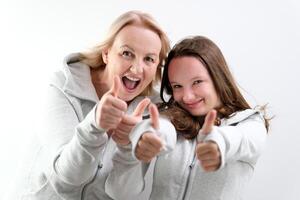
{"x": 260, "y": 40}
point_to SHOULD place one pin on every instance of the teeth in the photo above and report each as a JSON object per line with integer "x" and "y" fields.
{"x": 132, "y": 78}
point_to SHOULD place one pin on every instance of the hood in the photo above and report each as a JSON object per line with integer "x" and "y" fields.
{"x": 78, "y": 81}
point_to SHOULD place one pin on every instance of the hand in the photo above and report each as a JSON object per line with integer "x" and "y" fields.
{"x": 208, "y": 153}
{"x": 111, "y": 109}
{"x": 121, "y": 134}
{"x": 150, "y": 144}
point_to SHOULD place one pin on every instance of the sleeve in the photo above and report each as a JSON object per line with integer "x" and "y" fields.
{"x": 127, "y": 178}
{"x": 243, "y": 142}
{"x": 71, "y": 148}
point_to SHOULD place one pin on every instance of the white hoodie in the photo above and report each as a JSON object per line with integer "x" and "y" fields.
{"x": 178, "y": 175}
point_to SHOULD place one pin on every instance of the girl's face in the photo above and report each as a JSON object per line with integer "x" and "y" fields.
{"x": 192, "y": 86}
{"x": 134, "y": 57}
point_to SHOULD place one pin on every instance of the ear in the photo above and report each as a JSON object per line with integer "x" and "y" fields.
{"x": 105, "y": 55}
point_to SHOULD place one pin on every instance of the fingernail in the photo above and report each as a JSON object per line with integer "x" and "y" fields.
{"x": 163, "y": 148}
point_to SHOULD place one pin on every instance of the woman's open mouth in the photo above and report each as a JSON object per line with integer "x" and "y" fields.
{"x": 130, "y": 83}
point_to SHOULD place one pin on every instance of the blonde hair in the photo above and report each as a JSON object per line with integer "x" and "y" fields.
{"x": 94, "y": 59}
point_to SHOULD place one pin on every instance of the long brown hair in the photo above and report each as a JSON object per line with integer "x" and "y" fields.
{"x": 208, "y": 53}
{"x": 93, "y": 58}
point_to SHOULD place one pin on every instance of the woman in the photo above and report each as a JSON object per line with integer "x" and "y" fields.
{"x": 219, "y": 137}
{"x": 93, "y": 103}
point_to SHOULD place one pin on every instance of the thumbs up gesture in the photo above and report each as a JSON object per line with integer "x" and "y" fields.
{"x": 111, "y": 109}
{"x": 150, "y": 144}
{"x": 121, "y": 134}
{"x": 208, "y": 152}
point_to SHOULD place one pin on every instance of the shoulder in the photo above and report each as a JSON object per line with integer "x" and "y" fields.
{"x": 57, "y": 79}
{"x": 240, "y": 116}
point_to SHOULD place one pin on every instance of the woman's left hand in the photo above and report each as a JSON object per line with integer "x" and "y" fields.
{"x": 121, "y": 134}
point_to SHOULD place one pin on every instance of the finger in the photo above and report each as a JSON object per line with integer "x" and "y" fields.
{"x": 202, "y": 149}
{"x": 115, "y": 87}
{"x": 151, "y": 141}
{"x": 128, "y": 120}
{"x": 118, "y": 103}
{"x": 154, "y": 115}
{"x": 123, "y": 129}
{"x": 119, "y": 139}
{"x": 112, "y": 112}
{"x": 210, "y": 168}
{"x": 207, "y": 156}
{"x": 146, "y": 157}
{"x": 206, "y": 151}
{"x": 209, "y": 122}
{"x": 147, "y": 152}
{"x": 143, "y": 158}
{"x": 141, "y": 107}
{"x": 209, "y": 163}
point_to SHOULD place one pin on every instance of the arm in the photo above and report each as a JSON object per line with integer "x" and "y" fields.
{"x": 126, "y": 180}
{"x": 243, "y": 142}
{"x": 71, "y": 148}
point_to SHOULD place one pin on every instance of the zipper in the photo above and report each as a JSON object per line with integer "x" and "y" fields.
{"x": 98, "y": 169}
{"x": 191, "y": 166}
{"x": 89, "y": 183}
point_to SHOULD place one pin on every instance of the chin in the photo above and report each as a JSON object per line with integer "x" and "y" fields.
{"x": 127, "y": 97}
{"x": 198, "y": 113}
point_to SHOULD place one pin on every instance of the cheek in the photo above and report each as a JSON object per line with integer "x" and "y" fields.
{"x": 150, "y": 72}
{"x": 176, "y": 95}
{"x": 120, "y": 64}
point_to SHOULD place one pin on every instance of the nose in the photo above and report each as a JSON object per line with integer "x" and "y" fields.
{"x": 136, "y": 67}
{"x": 188, "y": 96}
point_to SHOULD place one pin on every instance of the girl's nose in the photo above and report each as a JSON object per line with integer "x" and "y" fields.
{"x": 188, "y": 96}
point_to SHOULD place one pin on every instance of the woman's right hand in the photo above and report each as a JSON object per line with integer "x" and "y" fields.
{"x": 150, "y": 144}
{"x": 111, "y": 109}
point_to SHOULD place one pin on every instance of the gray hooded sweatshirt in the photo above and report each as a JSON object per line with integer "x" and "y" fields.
{"x": 70, "y": 157}
{"x": 178, "y": 175}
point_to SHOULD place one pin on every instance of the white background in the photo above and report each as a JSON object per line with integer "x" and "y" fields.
{"x": 259, "y": 38}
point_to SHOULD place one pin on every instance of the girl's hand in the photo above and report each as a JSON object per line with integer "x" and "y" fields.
{"x": 150, "y": 144}
{"x": 208, "y": 152}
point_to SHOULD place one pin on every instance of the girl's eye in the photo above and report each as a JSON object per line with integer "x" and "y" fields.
{"x": 176, "y": 86}
{"x": 149, "y": 59}
{"x": 197, "y": 82}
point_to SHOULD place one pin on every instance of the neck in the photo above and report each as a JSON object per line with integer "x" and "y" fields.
{"x": 99, "y": 81}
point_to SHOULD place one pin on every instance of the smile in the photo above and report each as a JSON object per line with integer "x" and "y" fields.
{"x": 193, "y": 104}
{"x": 130, "y": 83}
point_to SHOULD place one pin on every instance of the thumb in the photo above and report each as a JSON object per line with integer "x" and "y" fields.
{"x": 115, "y": 87}
{"x": 209, "y": 122}
{"x": 139, "y": 110}
{"x": 154, "y": 114}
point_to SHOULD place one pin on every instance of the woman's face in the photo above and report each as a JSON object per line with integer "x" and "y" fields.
{"x": 192, "y": 86}
{"x": 134, "y": 57}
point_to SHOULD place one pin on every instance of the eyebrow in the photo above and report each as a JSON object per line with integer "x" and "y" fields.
{"x": 126, "y": 46}
{"x": 192, "y": 79}
{"x": 148, "y": 54}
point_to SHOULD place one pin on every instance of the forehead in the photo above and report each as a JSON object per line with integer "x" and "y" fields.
{"x": 139, "y": 38}
{"x": 186, "y": 68}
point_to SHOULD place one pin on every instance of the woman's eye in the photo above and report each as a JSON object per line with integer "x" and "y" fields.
{"x": 127, "y": 54}
{"x": 149, "y": 59}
